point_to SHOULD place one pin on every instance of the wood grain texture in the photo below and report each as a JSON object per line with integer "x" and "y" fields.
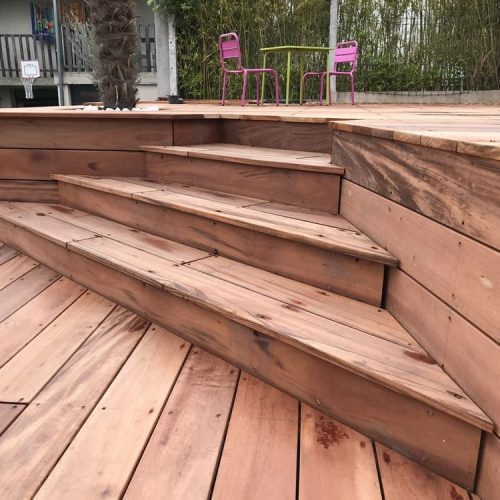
{"x": 40, "y": 164}
{"x": 273, "y": 134}
{"x": 186, "y": 444}
{"x": 28, "y": 321}
{"x": 489, "y": 472}
{"x": 358, "y": 279}
{"x": 456, "y": 190}
{"x": 454, "y": 342}
{"x": 83, "y": 133}
{"x": 21, "y": 291}
{"x": 462, "y": 272}
{"x": 335, "y": 460}
{"x": 8, "y": 413}
{"x": 100, "y": 463}
{"x": 294, "y": 187}
{"x": 251, "y": 155}
{"x": 28, "y": 190}
{"x": 14, "y": 269}
{"x": 254, "y": 466}
{"x": 195, "y": 132}
{"x": 403, "y": 478}
{"x": 22, "y": 378}
{"x": 444, "y": 444}
{"x": 34, "y": 442}
{"x": 7, "y": 254}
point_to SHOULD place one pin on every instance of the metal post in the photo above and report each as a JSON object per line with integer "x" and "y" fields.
{"x": 60, "y": 69}
{"x": 332, "y": 84}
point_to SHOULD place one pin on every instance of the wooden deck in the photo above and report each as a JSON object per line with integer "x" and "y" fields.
{"x": 97, "y": 402}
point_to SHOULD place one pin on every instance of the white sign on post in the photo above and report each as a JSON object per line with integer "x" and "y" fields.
{"x": 30, "y": 70}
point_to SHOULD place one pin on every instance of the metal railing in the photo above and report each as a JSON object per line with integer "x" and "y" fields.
{"x": 15, "y": 48}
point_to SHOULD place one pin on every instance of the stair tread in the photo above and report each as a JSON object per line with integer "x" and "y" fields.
{"x": 334, "y": 233}
{"x": 252, "y": 155}
{"x": 361, "y": 338}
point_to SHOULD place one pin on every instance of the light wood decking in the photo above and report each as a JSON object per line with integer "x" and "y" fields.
{"x": 97, "y": 402}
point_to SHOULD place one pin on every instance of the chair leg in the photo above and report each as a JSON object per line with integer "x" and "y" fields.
{"x": 321, "y": 88}
{"x": 352, "y": 89}
{"x": 224, "y": 82}
{"x": 276, "y": 88}
{"x": 244, "y": 92}
{"x": 330, "y": 90}
{"x": 257, "y": 80}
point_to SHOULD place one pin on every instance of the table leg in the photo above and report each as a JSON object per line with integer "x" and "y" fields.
{"x": 301, "y": 72}
{"x": 289, "y": 63}
{"x": 263, "y": 79}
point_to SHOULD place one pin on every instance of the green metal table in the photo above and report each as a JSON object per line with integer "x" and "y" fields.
{"x": 289, "y": 49}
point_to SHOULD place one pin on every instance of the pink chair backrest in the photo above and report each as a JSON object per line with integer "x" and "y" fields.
{"x": 345, "y": 53}
{"x": 229, "y": 48}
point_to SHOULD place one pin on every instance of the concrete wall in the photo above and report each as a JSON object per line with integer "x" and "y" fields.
{"x": 15, "y": 17}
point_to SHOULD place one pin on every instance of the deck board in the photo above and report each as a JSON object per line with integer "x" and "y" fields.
{"x": 186, "y": 451}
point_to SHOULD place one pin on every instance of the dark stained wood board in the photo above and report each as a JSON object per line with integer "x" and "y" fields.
{"x": 293, "y": 187}
{"x": 40, "y": 164}
{"x": 83, "y": 133}
{"x": 453, "y": 189}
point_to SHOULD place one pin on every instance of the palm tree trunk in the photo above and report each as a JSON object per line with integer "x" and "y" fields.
{"x": 116, "y": 38}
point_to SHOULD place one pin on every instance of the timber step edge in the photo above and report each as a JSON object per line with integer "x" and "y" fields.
{"x": 274, "y": 335}
{"x": 253, "y": 155}
{"x": 340, "y": 240}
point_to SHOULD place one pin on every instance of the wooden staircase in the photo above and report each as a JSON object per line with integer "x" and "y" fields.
{"x": 226, "y": 246}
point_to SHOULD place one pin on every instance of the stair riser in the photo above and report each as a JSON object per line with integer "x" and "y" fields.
{"x": 313, "y": 190}
{"x": 349, "y": 276}
{"x": 443, "y": 443}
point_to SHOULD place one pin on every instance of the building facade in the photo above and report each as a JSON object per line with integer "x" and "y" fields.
{"x": 27, "y": 32}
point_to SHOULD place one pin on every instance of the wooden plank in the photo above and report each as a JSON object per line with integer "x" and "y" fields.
{"x": 355, "y": 278}
{"x": 83, "y": 133}
{"x": 22, "y": 378}
{"x": 468, "y": 355}
{"x": 248, "y": 155}
{"x": 328, "y": 237}
{"x": 7, "y": 254}
{"x": 14, "y": 269}
{"x": 103, "y": 455}
{"x": 297, "y": 136}
{"x": 259, "y": 459}
{"x": 167, "y": 249}
{"x": 443, "y": 443}
{"x": 21, "y": 291}
{"x": 338, "y": 308}
{"x": 304, "y": 214}
{"x": 453, "y": 189}
{"x": 34, "y": 442}
{"x": 194, "y": 132}
{"x": 462, "y": 272}
{"x": 28, "y": 190}
{"x": 402, "y": 478}
{"x": 39, "y": 164}
{"x": 334, "y": 458}
{"x": 185, "y": 446}
{"x": 489, "y": 469}
{"x": 28, "y": 321}
{"x": 294, "y": 187}
{"x": 8, "y": 413}
{"x": 204, "y": 194}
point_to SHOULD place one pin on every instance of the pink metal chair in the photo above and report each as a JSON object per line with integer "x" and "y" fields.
{"x": 345, "y": 53}
{"x": 229, "y": 48}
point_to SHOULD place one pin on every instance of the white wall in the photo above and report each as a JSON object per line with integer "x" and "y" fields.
{"x": 15, "y": 17}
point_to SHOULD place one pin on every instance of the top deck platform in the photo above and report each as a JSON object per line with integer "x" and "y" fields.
{"x": 469, "y": 129}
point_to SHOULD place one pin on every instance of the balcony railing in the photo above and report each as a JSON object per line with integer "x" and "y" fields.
{"x": 20, "y": 47}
